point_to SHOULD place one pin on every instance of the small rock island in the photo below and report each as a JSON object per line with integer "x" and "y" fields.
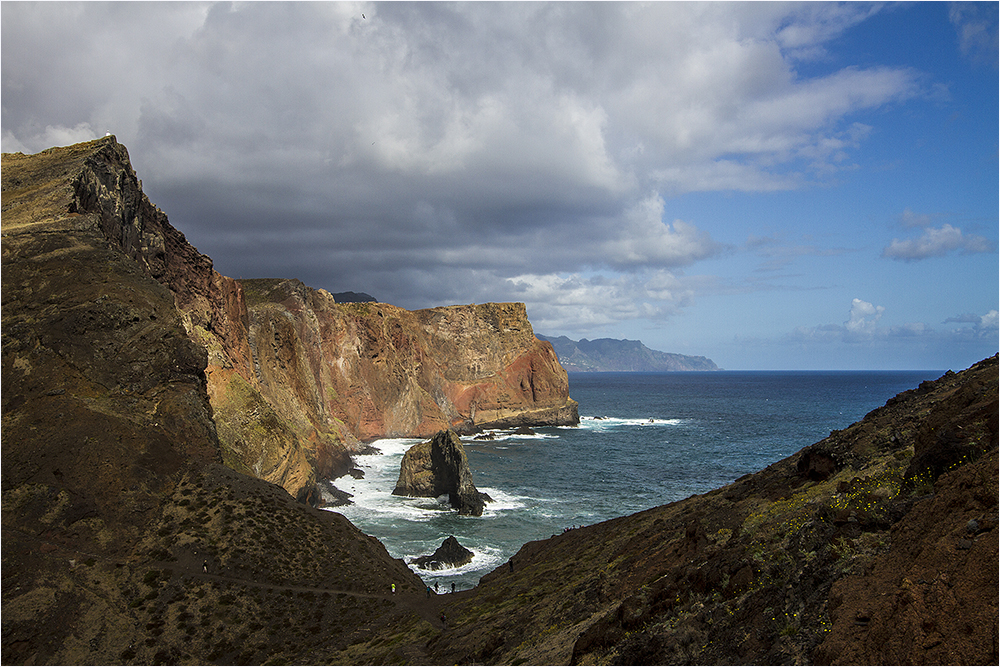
{"x": 449, "y": 554}
{"x": 438, "y": 467}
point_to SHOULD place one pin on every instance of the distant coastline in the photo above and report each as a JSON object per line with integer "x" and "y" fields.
{"x": 629, "y": 356}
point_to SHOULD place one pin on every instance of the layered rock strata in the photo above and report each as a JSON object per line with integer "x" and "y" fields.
{"x": 375, "y": 370}
{"x": 297, "y": 381}
{"x": 440, "y": 467}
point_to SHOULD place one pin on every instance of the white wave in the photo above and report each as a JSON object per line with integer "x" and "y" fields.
{"x": 503, "y": 501}
{"x": 600, "y": 423}
{"x": 484, "y": 559}
{"x": 502, "y": 436}
{"x": 389, "y": 447}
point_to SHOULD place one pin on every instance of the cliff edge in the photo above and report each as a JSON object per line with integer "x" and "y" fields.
{"x": 372, "y": 370}
{"x": 295, "y": 380}
{"x": 124, "y": 538}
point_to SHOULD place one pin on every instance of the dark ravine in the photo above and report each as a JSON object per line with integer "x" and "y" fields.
{"x": 132, "y": 372}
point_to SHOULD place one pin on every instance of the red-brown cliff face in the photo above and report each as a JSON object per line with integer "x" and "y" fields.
{"x": 369, "y": 370}
{"x": 296, "y": 380}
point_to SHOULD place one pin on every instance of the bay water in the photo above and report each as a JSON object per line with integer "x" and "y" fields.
{"x": 644, "y": 439}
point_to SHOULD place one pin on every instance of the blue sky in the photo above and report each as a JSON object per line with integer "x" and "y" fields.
{"x": 771, "y": 185}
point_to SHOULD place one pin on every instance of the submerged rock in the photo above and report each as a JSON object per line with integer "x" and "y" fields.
{"x": 449, "y": 554}
{"x": 440, "y": 467}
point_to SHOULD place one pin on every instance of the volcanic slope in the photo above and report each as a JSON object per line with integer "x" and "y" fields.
{"x": 124, "y": 538}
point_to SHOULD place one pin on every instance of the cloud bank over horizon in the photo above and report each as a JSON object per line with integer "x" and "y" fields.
{"x": 618, "y": 167}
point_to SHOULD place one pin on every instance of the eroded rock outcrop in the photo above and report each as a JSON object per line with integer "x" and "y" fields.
{"x": 95, "y": 188}
{"x": 374, "y": 370}
{"x": 449, "y": 554}
{"x": 440, "y": 467}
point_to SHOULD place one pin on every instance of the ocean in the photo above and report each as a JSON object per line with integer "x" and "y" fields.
{"x": 644, "y": 439}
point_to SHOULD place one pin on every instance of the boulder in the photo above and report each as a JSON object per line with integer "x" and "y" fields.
{"x": 439, "y": 467}
{"x": 449, "y": 554}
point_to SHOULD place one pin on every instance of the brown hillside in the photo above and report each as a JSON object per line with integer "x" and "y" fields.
{"x": 123, "y": 538}
{"x": 859, "y": 550}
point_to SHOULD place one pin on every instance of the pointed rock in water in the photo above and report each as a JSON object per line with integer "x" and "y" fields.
{"x": 439, "y": 467}
{"x": 449, "y": 554}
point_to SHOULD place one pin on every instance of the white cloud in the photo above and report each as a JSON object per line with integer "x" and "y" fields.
{"x": 990, "y": 321}
{"x": 935, "y": 242}
{"x": 865, "y": 334}
{"x": 909, "y": 219}
{"x": 863, "y": 317}
{"x": 51, "y": 135}
{"x": 643, "y": 239}
{"x": 976, "y": 25}
{"x": 452, "y": 152}
{"x": 583, "y": 304}
{"x": 499, "y": 94}
{"x": 982, "y": 326}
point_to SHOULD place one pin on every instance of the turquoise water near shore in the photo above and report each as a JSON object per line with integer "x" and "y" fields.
{"x": 645, "y": 439}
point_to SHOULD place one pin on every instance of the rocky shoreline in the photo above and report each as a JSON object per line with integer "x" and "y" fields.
{"x": 296, "y": 381}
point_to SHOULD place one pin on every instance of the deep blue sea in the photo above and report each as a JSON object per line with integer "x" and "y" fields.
{"x": 645, "y": 439}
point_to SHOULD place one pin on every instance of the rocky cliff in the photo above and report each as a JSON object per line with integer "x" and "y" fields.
{"x": 124, "y": 537}
{"x": 370, "y": 370}
{"x": 296, "y": 380}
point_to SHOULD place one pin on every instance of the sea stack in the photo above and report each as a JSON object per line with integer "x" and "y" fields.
{"x": 449, "y": 554}
{"x": 438, "y": 467}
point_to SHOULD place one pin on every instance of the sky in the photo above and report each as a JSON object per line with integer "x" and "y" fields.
{"x": 771, "y": 185}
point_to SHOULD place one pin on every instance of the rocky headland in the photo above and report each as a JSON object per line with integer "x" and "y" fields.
{"x": 296, "y": 381}
{"x": 630, "y": 356}
{"x": 158, "y": 483}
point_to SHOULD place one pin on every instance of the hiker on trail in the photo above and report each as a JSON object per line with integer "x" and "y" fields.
{"x": 444, "y": 620}
{"x": 453, "y": 587}
{"x": 435, "y": 587}
{"x": 204, "y": 566}
{"x": 394, "y": 589}
{"x": 428, "y": 591}
{"x": 511, "y": 563}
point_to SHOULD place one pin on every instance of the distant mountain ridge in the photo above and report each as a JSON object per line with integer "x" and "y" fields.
{"x": 609, "y": 354}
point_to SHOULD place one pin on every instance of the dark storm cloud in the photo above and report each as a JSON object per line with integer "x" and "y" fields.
{"x": 435, "y": 153}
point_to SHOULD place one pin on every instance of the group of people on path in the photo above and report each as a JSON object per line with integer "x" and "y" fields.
{"x": 436, "y": 589}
